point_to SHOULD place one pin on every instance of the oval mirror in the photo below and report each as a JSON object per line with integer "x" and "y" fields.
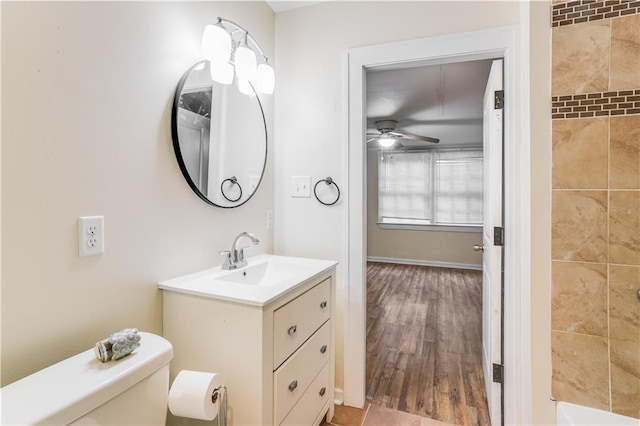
{"x": 219, "y": 137}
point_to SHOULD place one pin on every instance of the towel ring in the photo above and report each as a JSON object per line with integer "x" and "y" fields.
{"x": 234, "y": 181}
{"x": 328, "y": 181}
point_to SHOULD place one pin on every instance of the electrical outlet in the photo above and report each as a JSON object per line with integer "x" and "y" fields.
{"x": 91, "y": 235}
{"x": 301, "y": 186}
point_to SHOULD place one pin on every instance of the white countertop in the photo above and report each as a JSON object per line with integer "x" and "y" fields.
{"x": 213, "y": 282}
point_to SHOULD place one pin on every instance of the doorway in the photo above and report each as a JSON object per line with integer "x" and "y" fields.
{"x": 429, "y": 322}
{"x": 499, "y": 42}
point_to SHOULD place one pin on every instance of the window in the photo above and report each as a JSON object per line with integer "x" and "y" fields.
{"x": 438, "y": 187}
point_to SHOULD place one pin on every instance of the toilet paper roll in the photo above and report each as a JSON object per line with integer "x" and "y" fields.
{"x": 191, "y": 395}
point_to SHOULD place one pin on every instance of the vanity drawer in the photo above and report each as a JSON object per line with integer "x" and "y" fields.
{"x": 293, "y": 378}
{"x": 310, "y": 404}
{"x": 297, "y": 320}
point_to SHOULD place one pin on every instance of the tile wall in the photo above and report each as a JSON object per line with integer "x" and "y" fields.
{"x": 596, "y": 204}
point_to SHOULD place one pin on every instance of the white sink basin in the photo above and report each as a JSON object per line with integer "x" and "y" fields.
{"x": 265, "y": 278}
{"x": 269, "y": 273}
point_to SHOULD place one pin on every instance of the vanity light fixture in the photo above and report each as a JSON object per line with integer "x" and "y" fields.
{"x": 232, "y": 51}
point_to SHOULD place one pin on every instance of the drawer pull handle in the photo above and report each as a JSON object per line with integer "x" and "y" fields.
{"x": 293, "y": 385}
{"x": 322, "y": 391}
{"x": 323, "y": 349}
{"x": 292, "y": 330}
{"x": 323, "y": 304}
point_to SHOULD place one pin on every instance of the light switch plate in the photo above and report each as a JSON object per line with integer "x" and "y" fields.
{"x": 269, "y": 219}
{"x": 301, "y": 186}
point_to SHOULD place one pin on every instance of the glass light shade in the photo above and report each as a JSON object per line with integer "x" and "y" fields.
{"x": 216, "y": 43}
{"x": 386, "y": 141}
{"x": 245, "y": 87}
{"x": 265, "y": 79}
{"x": 245, "y": 61}
{"x": 222, "y": 72}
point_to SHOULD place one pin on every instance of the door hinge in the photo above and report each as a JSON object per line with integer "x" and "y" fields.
{"x": 498, "y": 236}
{"x": 497, "y": 373}
{"x": 499, "y": 99}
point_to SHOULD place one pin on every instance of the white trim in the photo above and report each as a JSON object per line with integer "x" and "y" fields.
{"x": 432, "y": 228}
{"x": 486, "y": 44}
{"x": 518, "y": 375}
{"x": 338, "y": 396}
{"x": 419, "y": 262}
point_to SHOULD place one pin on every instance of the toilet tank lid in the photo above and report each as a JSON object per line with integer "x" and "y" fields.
{"x": 65, "y": 391}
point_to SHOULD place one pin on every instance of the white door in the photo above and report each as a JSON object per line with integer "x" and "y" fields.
{"x": 492, "y": 249}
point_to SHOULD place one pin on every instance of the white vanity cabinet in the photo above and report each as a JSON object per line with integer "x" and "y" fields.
{"x": 276, "y": 358}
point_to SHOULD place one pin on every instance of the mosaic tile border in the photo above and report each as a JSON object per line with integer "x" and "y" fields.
{"x": 602, "y": 104}
{"x": 578, "y": 11}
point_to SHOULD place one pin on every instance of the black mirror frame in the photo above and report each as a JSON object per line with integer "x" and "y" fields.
{"x": 176, "y": 142}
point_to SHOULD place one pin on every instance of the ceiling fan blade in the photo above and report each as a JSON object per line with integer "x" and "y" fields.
{"x": 415, "y": 137}
{"x": 371, "y": 140}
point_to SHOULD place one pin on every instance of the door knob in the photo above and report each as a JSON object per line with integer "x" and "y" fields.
{"x": 478, "y": 247}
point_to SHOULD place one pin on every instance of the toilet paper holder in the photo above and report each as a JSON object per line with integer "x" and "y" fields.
{"x": 221, "y": 392}
{"x": 198, "y": 395}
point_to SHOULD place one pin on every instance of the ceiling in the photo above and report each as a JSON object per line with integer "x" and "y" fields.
{"x": 440, "y": 101}
{"x": 284, "y": 5}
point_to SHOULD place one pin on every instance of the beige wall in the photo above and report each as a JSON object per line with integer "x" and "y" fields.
{"x": 87, "y": 90}
{"x": 310, "y": 106}
{"x": 429, "y": 247}
{"x": 595, "y": 318}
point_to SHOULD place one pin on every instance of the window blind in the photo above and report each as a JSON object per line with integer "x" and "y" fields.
{"x": 439, "y": 187}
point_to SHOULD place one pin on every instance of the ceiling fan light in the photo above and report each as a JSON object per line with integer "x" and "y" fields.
{"x": 216, "y": 43}
{"x": 386, "y": 141}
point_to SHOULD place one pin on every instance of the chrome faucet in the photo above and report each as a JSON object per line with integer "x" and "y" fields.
{"x": 235, "y": 257}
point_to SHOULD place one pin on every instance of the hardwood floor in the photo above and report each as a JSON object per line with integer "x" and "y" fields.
{"x": 424, "y": 342}
{"x": 374, "y": 415}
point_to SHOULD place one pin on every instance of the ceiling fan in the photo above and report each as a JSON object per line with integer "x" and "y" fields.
{"x": 388, "y": 136}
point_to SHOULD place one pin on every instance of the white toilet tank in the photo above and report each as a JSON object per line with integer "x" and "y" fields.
{"x": 82, "y": 390}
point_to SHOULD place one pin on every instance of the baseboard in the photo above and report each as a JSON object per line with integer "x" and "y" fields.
{"x": 425, "y": 263}
{"x": 338, "y": 396}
